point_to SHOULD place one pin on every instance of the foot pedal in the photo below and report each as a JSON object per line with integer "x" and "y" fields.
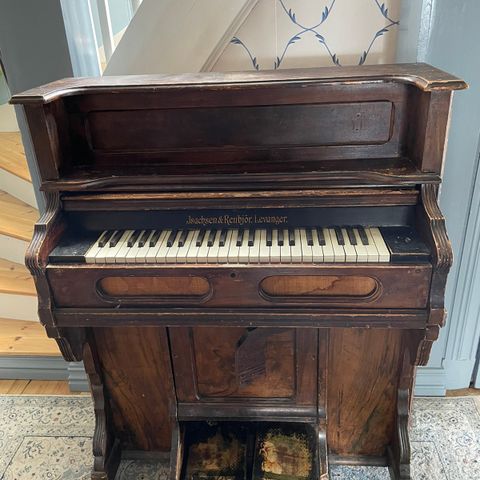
{"x": 249, "y": 451}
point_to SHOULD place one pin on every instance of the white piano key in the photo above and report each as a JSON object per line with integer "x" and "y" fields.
{"x": 285, "y": 255}
{"x": 161, "y": 255}
{"x": 108, "y": 253}
{"x": 191, "y": 256}
{"x": 171, "y": 256}
{"x": 140, "y": 257}
{"x": 307, "y": 250}
{"x": 183, "y": 251}
{"x": 132, "y": 253}
{"x": 328, "y": 253}
{"x": 372, "y": 251}
{"x": 233, "y": 250}
{"x": 264, "y": 254}
{"x": 202, "y": 254}
{"x": 275, "y": 256}
{"x": 124, "y": 249}
{"x": 296, "y": 250}
{"x": 350, "y": 253}
{"x": 94, "y": 249}
{"x": 317, "y": 249}
{"x": 244, "y": 249}
{"x": 151, "y": 255}
{"x": 254, "y": 251}
{"x": 362, "y": 254}
{"x": 212, "y": 256}
{"x": 223, "y": 252}
{"x": 338, "y": 251}
{"x": 383, "y": 252}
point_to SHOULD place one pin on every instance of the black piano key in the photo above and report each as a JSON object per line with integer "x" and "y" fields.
{"x": 154, "y": 238}
{"x": 183, "y": 238}
{"x": 223, "y": 237}
{"x": 211, "y": 238}
{"x": 143, "y": 238}
{"x": 291, "y": 237}
{"x": 321, "y": 236}
{"x": 115, "y": 238}
{"x": 240, "y": 235}
{"x": 171, "y": 238}
{"x": 280, "y": 238}
{"x": 104, "y": 238}
{"x": 351, "y": 235}
{"x": 309, "y": 236}
{"x": 251, "y": 237}
{"x": 133, "y": 238}
{"x": 363, "y": 235}
{"x": 339, "y": 235}
{"x": 269, "y": 237}
{"x": 200, "y": 237}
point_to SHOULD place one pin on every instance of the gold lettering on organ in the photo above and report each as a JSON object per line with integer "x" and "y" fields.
{"x": 237, "y": 220}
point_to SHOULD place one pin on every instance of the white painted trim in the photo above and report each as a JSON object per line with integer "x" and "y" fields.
{"x": 176, "y": 36}
{"x": 18, "y": 307}
{"x": 17, "y": 187}
{"x": 33, "y": 368}
{"x": 228, "y": 35}
{"x": 77, "y": 377}
{"x": 12, "y": 249}
{"x": 430, "y": 382}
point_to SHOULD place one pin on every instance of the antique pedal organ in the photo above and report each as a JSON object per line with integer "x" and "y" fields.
{"x": 245, "y": 257}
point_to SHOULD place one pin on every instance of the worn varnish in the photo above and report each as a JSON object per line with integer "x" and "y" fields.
{"x": 170, "y": 350}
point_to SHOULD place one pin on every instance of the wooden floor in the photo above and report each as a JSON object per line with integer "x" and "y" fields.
{"x": 36, "y": 387}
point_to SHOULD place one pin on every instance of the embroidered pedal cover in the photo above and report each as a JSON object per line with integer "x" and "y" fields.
{"x": 284, "y": 452}
{"x": 215, "y": 451}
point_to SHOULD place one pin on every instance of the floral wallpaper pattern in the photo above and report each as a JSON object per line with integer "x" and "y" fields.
{"x": 304, "y": 33}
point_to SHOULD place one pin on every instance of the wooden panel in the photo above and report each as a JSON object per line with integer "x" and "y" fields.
{"x": 230, "y": 363}
{"x": 136, "y": 369}
{"x": 268, "y": 126}
{"x": 154, "y": 286}
{"x": 318, "y": 286}
{"x": 362, "y": 389}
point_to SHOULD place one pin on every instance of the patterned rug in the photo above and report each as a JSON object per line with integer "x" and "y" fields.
{"x": 50, "y": 438}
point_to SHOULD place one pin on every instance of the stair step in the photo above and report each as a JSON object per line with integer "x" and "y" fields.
{"x": 15, "y": 279}
{"x": 16, "y": 217}
{"x": 22, "y": 338}
{"x": 12, "y": 155}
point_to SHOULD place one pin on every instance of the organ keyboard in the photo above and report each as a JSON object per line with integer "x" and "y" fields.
{"x": 247, "y": 263}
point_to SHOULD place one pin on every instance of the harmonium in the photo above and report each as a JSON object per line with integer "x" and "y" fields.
{"x": 250, "y": 265}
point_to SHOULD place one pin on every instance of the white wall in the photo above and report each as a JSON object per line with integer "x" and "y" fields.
{"x": 313, "y": 33}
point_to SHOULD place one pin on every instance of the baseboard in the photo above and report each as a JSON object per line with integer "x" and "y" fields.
{"x": 77, "y": 377}
{"x": 33, "y": 368}
{"x": 431, "y": 382}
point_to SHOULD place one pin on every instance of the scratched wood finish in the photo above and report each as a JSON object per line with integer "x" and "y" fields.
{"x": 237, "y": 286}
{"x": 153, "y": 286}
{"x": 136, "y": 369}
{"x": 362, "y": 388}
{"x": 114, "y": 152}
{"x": 318, "y": 286}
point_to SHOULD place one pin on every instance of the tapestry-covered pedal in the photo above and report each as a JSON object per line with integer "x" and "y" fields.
{"x": 248, "y": 451}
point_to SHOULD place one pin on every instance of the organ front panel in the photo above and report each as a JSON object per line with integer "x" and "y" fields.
{"x": 250, "y": 265}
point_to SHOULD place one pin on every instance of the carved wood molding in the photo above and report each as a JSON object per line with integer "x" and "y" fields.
{"x": 105, "y": 446}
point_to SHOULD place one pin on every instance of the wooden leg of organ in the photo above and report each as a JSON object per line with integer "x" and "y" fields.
{"x": 106, "y": 448}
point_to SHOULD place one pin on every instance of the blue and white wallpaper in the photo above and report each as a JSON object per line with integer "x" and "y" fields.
{"x": 312, "y": 33}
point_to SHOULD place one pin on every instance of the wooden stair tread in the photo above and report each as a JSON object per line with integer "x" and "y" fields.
{"x": 16, "y": 217}
{"x": 15, "y": 278}
{"x": 12, "y": 155}
{"x": 25, "y": 339}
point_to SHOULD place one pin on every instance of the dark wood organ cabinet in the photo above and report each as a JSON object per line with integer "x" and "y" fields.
{"x": 250, "y": 265}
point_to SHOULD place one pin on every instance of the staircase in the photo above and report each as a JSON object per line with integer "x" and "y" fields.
{"x": 21, "y": 335}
